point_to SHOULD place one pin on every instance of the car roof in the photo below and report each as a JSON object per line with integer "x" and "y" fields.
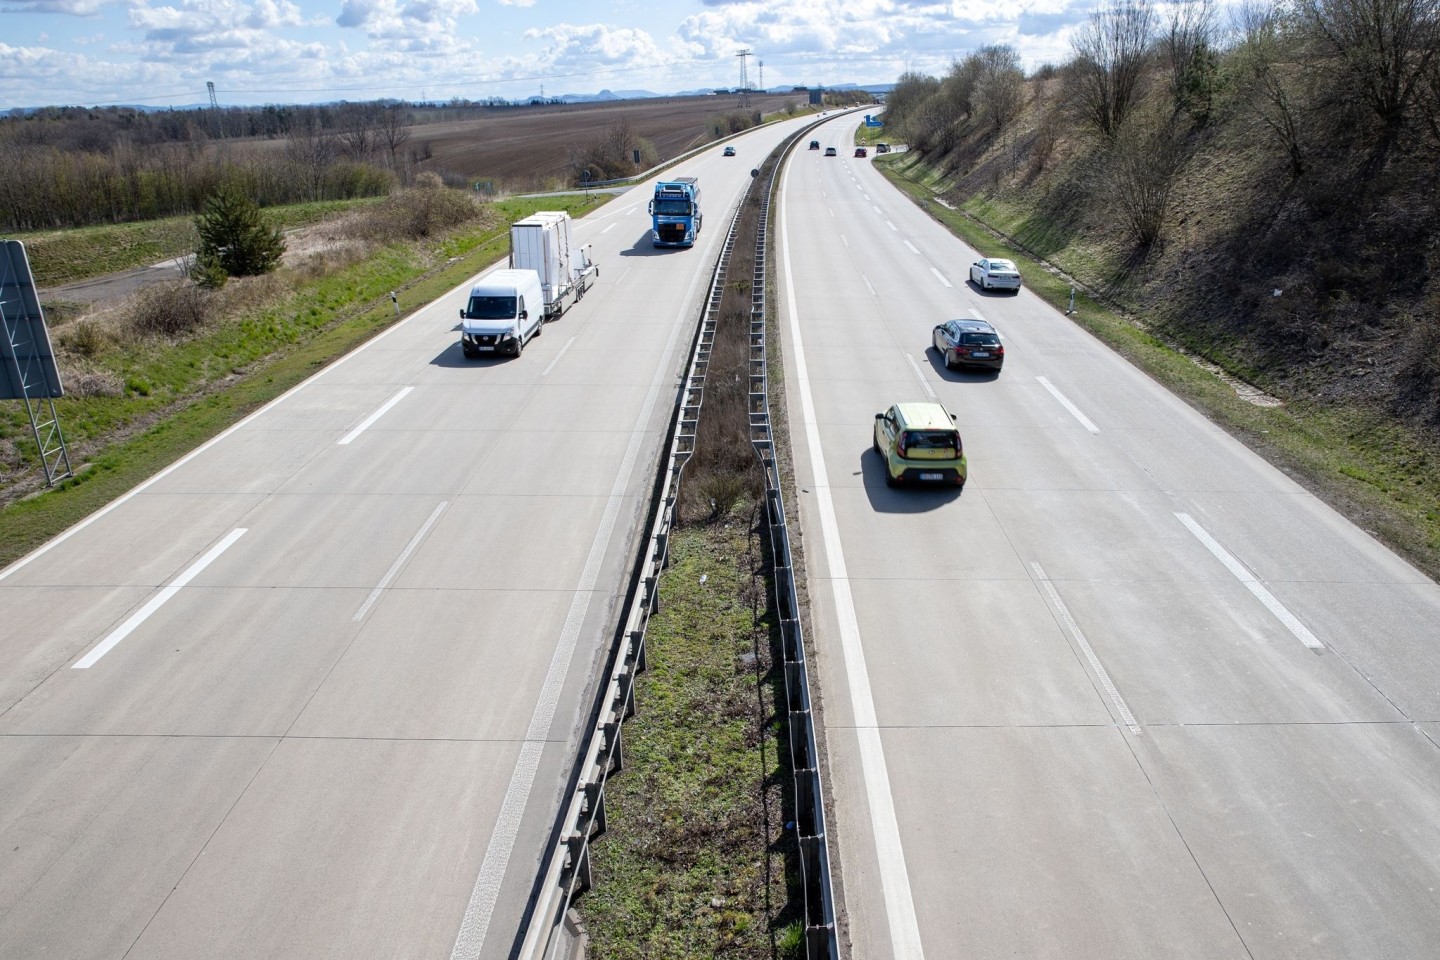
{"x": 973, "y": 326}
{"x": 924, "y": 415}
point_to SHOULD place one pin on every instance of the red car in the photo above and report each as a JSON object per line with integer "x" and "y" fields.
{"x": 860, "y": 152}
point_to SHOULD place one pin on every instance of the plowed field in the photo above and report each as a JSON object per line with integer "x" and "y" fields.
{"x": 526, "y": 148}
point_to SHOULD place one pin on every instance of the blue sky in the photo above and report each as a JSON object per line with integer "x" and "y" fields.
{"x": 162, "y": 52}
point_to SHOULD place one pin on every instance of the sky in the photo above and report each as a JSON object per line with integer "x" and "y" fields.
{"x": 92, "y": 52}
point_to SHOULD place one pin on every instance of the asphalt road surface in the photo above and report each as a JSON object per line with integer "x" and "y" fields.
{"x": 314, "y": 691}
{"x": 1132, "y": 694}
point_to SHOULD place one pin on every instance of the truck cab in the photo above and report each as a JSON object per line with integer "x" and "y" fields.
{"x": 675, "y": 211}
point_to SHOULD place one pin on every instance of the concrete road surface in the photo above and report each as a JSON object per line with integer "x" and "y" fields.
{"x": 314, "y": 691}
{"x": 1132, "y": 694}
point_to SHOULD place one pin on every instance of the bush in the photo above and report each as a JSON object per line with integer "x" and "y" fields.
{"x": 235, "y": 239}
{"x": 171, "y": 309}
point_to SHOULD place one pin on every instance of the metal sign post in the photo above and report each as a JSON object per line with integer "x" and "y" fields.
{"x": 28, "y": 370}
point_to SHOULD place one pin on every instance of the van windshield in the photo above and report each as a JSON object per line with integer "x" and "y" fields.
{"x": 491, "y": 308}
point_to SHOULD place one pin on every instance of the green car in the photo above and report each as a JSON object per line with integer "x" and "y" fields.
{"x": 920, "y": 444}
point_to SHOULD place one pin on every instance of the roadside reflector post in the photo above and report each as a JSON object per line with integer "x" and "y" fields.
{"x": 1072, "y": 302}
{"x": 395, "y": 299}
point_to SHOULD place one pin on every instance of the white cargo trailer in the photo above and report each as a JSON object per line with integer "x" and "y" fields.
{"x": 544, "y": 242}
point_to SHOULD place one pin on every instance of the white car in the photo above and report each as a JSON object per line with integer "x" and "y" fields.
{"x": 995, "y": 275}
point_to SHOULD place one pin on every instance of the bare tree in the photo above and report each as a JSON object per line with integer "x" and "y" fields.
{"x": 393, "y": 129}
{"x": 1145, "y": 160}
{"x": 311, "y": 149}
{"x": 1189, "y": 58}
{"x": 1267, "y": 74}
{"x": 357, "y": 130}
{"x": 1386, "y": 46}
{"x": 1000, "y": 91}
{"x": 1109, "y": 67}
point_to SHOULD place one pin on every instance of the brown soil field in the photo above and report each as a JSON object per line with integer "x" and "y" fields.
{"x": 527, "y": 148}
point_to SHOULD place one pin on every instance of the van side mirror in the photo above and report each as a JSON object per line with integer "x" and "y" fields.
{"x": 879, "y": 416}
{"x": 524, "y": 314}
{"x": 952, "y": 416}
{"x": 462, "y": 313}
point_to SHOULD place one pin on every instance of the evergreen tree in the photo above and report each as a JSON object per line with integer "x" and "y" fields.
{"x": 235, "y": 240}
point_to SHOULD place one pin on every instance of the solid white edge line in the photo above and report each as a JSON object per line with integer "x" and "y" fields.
{"x": 1065, "y": 402}
{"x": 919, "y": 375}
{"x": 1125, "y": 715}
{"x": 1252, "y": 583}
{"x": 480, "y": 909}
{"x": 894, "y": 878}
{"x": 941, "y": 277}
{"x": 384, "y": 409}
{"x": 551, "y": 365}
{"x": 400, "y": 561}
{"x": 157, "y": 601}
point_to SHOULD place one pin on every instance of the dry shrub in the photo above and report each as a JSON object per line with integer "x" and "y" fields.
{"x": 170, "y": 309}
{"x": 425, "y": 210}
{"x": 84, "y": 379}
{"x": 87, "y": 337}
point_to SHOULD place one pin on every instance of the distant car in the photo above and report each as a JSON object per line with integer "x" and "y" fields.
{"x": 830, "y": 152}
{"x": 860, "y": 152}
{"x": 995, "y": 274}
{"x": 969, "y": 343}
{"x": 814, "y": 144}
{"x": 729, "y": 151}
{"x": 882, "y": 148}
{"x": 919, "y": 444}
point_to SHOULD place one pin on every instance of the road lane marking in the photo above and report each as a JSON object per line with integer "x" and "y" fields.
{"x": 551, "y": 365}
{"x": 400, "y": 561}
{"x": 480, "y": 909}
{"x": 157, "y": 601}
{"x": 1089, "y": 651}
{"x": 1252, "y": 583}
{"x": 892, "y": 226}
{"x": 384, "y": 408}
{"x": 921, "y": 377}
{"x": 976, "y": 314}
{"x": 845, "y": 240}
{"x": 867, "y": 284}
{"x": 1065, "y": 402}
{"x": 911, "y": 246}
{"x": 866, "y": 196}
{"x": 894, "y": 878}
{"x": 609, "y": 228}
{"x": 941, "y": 277}
{"x": 877, "y": 209}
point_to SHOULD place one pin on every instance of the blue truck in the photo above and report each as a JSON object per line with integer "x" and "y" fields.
{"x": 676, "y": 212}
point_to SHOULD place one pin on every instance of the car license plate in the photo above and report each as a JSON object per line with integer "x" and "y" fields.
{"x": 981, "y": 355}
{"x": 932, "y": 476}
{"x": 484, "y": 346}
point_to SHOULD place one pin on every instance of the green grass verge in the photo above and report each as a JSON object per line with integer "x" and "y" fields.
{"x": 694, "y": 865}
{"x": 66, "y": 256}
{"x": 1371, "y": 468}
{"x": 265, "y": 355}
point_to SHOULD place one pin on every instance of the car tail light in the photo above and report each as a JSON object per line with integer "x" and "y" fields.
{"x": 900, "y": 445}
{"x": 1000, "y": 351}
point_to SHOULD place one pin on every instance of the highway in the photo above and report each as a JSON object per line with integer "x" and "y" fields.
{"x": 315, "y": 690}
{"x": 1133, "y": 693}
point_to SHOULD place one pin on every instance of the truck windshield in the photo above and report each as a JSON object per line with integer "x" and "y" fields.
{"x": 491, "y": 308}
{"x": 673, "y": 208}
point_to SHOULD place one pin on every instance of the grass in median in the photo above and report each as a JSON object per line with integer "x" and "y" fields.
{"x": 165, "y": 412}
{"x": 694, "y": 862}
{"x": 1375, "y": 471}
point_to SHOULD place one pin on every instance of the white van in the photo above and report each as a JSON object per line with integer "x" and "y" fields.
{"x": 506, "y": 309}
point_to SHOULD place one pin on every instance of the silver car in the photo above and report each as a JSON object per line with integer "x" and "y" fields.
{"x": 995, "y": 275}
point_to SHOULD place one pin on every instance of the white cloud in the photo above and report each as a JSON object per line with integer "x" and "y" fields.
{"x": 74, "y": 8}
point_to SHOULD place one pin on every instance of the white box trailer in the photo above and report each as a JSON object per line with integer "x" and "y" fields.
{"x": 544, "y": 242}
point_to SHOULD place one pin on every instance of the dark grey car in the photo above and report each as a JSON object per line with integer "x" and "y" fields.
{"x": 969, "y": 343}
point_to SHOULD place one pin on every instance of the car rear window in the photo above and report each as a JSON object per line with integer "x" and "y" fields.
{"x": 988, "y": 339}
{"x": 931, "y": 439}
{"x": 1001, "y": 265}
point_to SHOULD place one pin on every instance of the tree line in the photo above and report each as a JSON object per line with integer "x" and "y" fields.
{"x": 70, "y": 167}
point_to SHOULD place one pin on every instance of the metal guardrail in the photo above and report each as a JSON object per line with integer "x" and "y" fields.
{"x": 821, "y": 938}
{"x": 568, "y": 873}
{"x": 551, "y": 933}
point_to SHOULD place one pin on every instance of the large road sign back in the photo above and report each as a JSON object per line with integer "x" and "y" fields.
{"x": 27, "y": 363}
